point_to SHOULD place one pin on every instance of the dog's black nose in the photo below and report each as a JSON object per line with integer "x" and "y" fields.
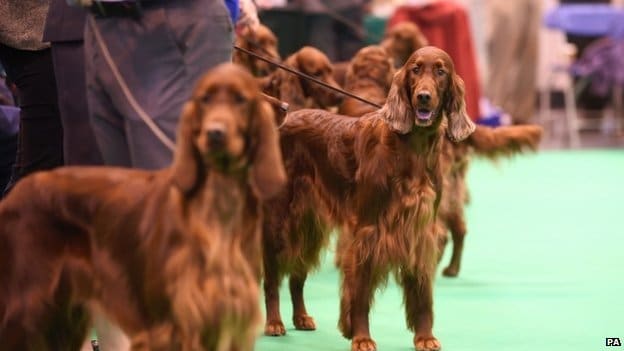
{"x": 423, "y": 97}
{"x": 216, "y": 138}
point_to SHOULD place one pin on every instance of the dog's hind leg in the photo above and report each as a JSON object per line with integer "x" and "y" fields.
{"x": 344, "y": 322}
{"x": 274, "y": 325}
{"x": 301, "y": 319}
{"x": 457, "y": 227}
{"x": 313, "y": 235}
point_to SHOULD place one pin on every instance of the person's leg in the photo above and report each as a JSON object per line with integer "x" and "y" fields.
{"x": 512, "y": 56}
{"x": 106, "y": 121}
{"x": 174, "y": 44}
{"x": 40, "y": 144}
{"x": 79, "y": 144}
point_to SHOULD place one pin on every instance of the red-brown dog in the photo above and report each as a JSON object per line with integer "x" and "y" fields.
{"x": 172, "y": 257}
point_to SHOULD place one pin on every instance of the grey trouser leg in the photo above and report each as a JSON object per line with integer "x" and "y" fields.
{"x": 160, "y": 56}
{"x": 79, "y": 146}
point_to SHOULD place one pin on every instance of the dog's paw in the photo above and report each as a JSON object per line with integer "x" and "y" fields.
{"x": 450, "y": 272}
{"x": 363, "y": 343}
{"x": 304, "y": 322}
{"x": 274, "y": 328}
{"x": 427, "y": 344}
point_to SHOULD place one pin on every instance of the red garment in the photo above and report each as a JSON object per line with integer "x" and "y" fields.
{"x": 446, "y": 25}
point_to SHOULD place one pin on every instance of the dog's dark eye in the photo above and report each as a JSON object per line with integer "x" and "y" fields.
{"x": 416, "y": 69}
{"x": 441, "y": 72}
{"x": 205, "y": 99}
{"x": 239, "y": 99}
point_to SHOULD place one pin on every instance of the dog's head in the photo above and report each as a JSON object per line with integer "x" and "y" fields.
{"x": 261, "y": 40}
{"x": 402, "y": 40}
{"x": 371, "y": 63}
{"x": 227, "y": 127}
{"x": 296, "y": 90}
{"x": 424, "y": 90}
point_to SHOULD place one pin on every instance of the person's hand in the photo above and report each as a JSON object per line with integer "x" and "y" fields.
{"x": 267, "y": 4}
{"x": 248, "y": 17}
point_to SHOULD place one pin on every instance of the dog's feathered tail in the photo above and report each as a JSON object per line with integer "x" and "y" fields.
{"x": 506, "y": 141}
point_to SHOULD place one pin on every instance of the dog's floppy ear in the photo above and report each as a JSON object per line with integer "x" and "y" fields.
{"x": 238, "y": 57}
{"x": 186, "y": 158}
{"x": 268, "y": 175}
{"x": 290, "y": 89}
{"x": 391, "y": 73}
{"x": 460, "y": 126}
{"x": 398, "y": 111}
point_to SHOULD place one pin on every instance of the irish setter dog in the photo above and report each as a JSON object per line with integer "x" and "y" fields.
{"x": 402, "y": 40}
{"x": 172, "y": 257}
{"x": 369, "y": 75}
{"x": 301, "y": 93}
{"x": 260, "y": 40}
{"x": 378, "y": 178}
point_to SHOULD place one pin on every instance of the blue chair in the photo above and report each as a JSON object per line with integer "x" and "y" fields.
{"x": 585, "y": 20}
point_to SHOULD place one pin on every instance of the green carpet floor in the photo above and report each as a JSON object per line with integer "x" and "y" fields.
{"x": 543, "y": 265}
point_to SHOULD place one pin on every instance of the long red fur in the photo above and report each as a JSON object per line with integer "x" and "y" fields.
{"x": 172, "y": 257}
{"x": 379, "y": 179}
{"x": 366, "y": 78}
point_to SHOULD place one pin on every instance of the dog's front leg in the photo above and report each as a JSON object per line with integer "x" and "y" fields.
{"x": 418, "y": 291}
{"x": 358, "y": 285}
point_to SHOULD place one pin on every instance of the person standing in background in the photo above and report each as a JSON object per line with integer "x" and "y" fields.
{"x": 28, "y": 63}
{"x": 64, "y": 29}
{"x": 159, "y": 48}
{"x": 335, "y": 27}
{"x": 512, "y": 55}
